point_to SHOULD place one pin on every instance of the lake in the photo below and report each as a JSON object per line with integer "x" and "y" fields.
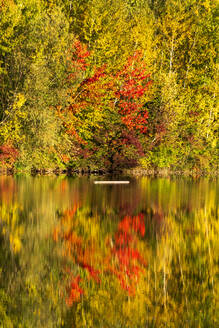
{"x": 76, "y": 254}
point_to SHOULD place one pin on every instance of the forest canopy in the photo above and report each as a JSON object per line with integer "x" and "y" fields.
{"x": 106, "y": 85}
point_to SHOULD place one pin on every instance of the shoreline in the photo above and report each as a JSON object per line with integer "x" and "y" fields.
{"x": 134, "y": 172}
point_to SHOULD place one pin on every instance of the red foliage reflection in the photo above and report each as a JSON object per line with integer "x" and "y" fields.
{"x": 75, "y": 291}
{"x": 123, "y": 260}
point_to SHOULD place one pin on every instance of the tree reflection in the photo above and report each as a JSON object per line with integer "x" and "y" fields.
{"x": 76, "y": 255}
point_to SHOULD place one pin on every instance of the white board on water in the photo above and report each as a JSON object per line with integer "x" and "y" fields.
{"x": 111, "y": 182}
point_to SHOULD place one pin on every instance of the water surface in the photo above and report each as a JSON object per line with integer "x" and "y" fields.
{"x": 76, "y": 254}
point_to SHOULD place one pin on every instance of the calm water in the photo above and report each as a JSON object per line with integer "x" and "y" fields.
{"x": 75, "y": 254}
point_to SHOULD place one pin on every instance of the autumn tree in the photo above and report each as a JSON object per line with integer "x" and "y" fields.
{"x": 106, "y": 117}
{"x": 30, "y": 78}
{"x": 184, "y": 109}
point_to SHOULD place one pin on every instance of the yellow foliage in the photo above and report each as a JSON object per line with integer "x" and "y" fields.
{"x": 11, "y": 228}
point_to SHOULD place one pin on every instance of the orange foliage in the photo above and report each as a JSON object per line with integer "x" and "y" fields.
{"x": 75, "y": 291}
{"x": 8, "y": 154}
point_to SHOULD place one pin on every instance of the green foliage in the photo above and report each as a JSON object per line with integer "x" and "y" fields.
{"x": 29, "y": 122}
{"x": 178, "y": 41}
{"x": 186, "y": 36}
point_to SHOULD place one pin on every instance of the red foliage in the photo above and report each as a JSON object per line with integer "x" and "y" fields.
{"x": 134, "y": 82}
{"x": 124, "y": 261}
{"x": 75, "y": 291}
{"x": 122, "y": 91}
{"x": 136, "y": 223}
{"x": 129, "y": 259}
{"x": 8, "y": 154}
{"x": 100, "y": 72}
{"x": 77, "y": 59}
{"x": 93, "y": 273}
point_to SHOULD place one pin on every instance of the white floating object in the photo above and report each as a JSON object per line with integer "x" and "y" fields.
{"x": 111, "y": 182}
